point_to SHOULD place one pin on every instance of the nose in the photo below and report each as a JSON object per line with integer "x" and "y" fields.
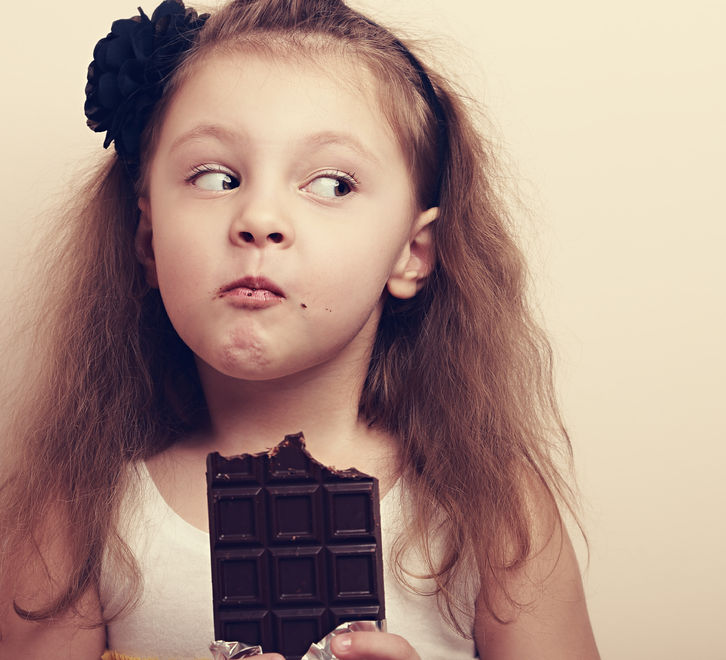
{"x": 261, "y": 220}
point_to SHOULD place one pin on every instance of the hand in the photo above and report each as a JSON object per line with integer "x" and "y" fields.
{"x": 373, "y": 646}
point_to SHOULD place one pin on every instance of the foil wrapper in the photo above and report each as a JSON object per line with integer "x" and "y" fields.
{"x": 233, "y": 650}
{"x": 321, "y": 650}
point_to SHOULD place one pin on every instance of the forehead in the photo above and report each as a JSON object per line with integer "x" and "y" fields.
{"x": 278, "y": 96}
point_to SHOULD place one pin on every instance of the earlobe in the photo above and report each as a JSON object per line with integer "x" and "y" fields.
{"x": 143, "y": 244}
{"x": 417, "y": 259}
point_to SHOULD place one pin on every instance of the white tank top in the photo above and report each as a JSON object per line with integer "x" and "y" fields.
{"x": 173, "y": 619}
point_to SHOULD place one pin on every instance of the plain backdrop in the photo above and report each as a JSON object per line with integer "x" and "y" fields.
{"x": 610, "y": 118}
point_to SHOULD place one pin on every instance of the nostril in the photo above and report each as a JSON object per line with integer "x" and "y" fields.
{"x": 247, "y": 237}
{"x": 275, "y": 237}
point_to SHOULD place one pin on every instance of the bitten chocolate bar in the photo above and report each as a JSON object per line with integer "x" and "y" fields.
{"x": 296, "y": 548}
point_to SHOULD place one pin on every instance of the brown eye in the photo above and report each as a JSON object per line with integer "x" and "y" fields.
{"x": 330, "y": 186}
{"x": 215, "y": 181}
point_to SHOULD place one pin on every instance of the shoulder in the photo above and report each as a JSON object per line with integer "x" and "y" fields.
{"x": 540, "y": 602}
{"x": 31, "y": 579}
{"x": 69, "y": 637}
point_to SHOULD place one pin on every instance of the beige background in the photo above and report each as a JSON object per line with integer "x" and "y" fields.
{"x": 612, "y": 118}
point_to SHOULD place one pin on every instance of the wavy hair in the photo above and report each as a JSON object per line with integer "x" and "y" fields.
{"x": 460, "y": 375}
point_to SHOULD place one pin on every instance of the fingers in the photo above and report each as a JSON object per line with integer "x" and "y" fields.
{"x": 270, "y": 656}
{"x": 372, "y": 646}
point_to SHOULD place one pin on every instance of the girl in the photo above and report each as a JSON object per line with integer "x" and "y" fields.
{"x": 298, "y": 230}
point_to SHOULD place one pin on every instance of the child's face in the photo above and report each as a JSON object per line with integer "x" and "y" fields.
{"x": 279, "y": 207}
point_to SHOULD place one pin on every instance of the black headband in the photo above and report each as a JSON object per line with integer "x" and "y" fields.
{"x": 442, "y": 133}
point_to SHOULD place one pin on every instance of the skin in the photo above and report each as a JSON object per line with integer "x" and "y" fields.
{"x": 241, "y": 187}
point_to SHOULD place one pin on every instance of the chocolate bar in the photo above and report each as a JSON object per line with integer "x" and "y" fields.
{"x": 296, "y": 548}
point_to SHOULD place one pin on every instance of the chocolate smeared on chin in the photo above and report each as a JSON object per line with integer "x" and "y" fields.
{"x": 296, "y": 548}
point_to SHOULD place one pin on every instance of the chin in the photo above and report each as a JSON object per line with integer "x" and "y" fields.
{"x": 245, "y": 366}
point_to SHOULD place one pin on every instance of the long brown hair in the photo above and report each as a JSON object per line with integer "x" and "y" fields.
{"x": 461, "y": 375}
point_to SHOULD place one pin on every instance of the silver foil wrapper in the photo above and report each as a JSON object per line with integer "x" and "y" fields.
{"x": 233, "y": 650}
{"x": 321, "y": 650}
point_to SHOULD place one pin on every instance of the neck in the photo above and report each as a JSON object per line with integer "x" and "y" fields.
{"x": 253, "y": 416}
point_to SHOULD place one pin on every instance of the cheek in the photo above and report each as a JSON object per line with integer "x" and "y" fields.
{"x": 179, "y": 255}
{"x": 183, "y": 283}
{"x": 348, "y": 301}
{"x": 351, "y": 277}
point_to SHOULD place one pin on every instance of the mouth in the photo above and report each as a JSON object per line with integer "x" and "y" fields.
{"x": 252, "y": 284}
{"x": 252, "y": 292}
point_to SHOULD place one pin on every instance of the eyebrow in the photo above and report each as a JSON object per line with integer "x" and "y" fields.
{"x": 347, "y": 140}
{"x": 219, "y": 133}
{"x": 317, "y": 140}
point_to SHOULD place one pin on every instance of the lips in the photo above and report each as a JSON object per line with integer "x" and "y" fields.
{"x": 252, "y": 293}
{"x": 253, "y": 284}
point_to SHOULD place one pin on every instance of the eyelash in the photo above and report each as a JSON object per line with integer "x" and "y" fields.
{"x": 198, "y": 170}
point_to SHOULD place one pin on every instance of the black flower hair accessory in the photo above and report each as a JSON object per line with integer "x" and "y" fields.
{"x": 129, "y": 69}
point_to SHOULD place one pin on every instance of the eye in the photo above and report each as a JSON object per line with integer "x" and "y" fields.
{"x": 332, "y": 184}
{"x": 212, "y": 178}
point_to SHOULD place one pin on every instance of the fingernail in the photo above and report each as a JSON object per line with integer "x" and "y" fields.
{"x": 342, "y": 644}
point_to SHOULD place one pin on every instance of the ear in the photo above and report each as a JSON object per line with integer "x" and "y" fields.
{"x": 417, "y": 258}
{"x": 143, "y": 243}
